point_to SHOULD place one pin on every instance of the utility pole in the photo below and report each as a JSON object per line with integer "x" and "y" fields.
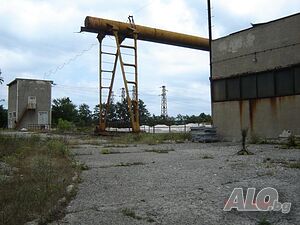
{"x": 164, "y": 109}
{"x": 210, "y": 54}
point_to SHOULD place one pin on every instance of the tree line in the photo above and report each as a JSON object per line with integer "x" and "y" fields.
{"x": 118, "y": 116}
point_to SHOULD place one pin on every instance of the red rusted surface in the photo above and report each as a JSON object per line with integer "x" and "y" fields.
{"x": 241, "y": 113}
{"x": 286, "y": 98}
{"x": 252, "y": 111}
{"x": 273, "y": 102}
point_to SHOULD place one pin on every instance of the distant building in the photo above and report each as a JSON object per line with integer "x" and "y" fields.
{"x": 256, "y": 80}
{"x": 29, "y": 104}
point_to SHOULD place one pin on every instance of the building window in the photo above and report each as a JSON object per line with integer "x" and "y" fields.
{"x": 265, "y": 85}
{"x": 219, "y": 90}
{"x": 297, "y": 80}
{"x": 14, "y": 114}
{"x": 248, "y": 85}
{"x": 43, "y": 117}
{"x": 284, "y": 82}
{"x": 31, "y": 102}
{"x": 233, "y": 88}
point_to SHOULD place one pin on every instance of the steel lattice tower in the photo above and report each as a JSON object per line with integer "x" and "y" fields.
{"x": 112, "y": 98}
{"x": 123, "y": 94}
{"x": 164, "y": 108}
{"x": 133, "y": 92}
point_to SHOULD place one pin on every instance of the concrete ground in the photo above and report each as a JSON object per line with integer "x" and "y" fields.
{"x": 188, "y": 185}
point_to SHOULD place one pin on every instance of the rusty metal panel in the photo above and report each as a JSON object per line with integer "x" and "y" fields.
{"x": 284, "y": 82}
{"x": 265, "y": 85}
{"x": 219, "y": 90}
{"x": 297, "y": 80}
{"x": 233, "y": 88}
{"x": 248, "y": 87}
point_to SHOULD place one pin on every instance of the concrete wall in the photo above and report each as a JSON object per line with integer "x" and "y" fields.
{"x": 266, "y": 118}
{"x": 265, "y": 47}
{"x": 38, "y": 88}
{"x": 275, "y": 44}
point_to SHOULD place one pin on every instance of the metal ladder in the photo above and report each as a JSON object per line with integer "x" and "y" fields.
{"x": 132, "y": 103}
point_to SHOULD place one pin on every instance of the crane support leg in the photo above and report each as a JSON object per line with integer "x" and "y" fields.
{"x": 104, "y": 106}
{"x": 131, "y": 103}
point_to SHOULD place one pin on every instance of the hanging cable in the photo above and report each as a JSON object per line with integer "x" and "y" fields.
{"x": 60, "y": 67}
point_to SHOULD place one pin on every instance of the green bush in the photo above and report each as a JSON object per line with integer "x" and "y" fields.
{"x": 65, "y": 125}
{"x": 57, "y": 147}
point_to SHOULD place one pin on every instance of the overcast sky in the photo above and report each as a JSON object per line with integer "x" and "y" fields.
{"x": 38, "y": 36}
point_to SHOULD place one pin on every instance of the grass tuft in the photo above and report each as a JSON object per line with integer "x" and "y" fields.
{"x": 130, "y": 164}
{"x": 264, "y": 222}
{"x": 131, "y": 213}
{"x": 151, "y": 139}
{"x": 160, "y": 150}
{"x": 105, "y": 151}
{"x": 295, "y": 165}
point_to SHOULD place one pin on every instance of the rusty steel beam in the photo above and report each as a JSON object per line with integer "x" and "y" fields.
{"x": 104, "y": 26}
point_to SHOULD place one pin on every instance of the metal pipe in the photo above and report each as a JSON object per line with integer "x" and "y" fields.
{"x": 99, "y": 25}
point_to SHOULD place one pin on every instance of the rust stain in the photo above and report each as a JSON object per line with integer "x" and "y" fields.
{"x": 252, "y": 110}
{"x": 273, "y": 102}
{"x": 286, "y": 98}
{"x": 241, "y": 113}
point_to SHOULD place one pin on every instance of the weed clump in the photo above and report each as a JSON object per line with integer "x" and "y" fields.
{"x": 264, "y": 222}
{"x": 244, "y": 150}
{"x": 57, "y": 147}
{"x": 105, "y": 151}
{"x": 166, "y": 150}
{"x": 291, "y": 142}
{"x": 130, "y": 213}
{"x": 152, "y": 139}
{"x": 130, "y": 164}
{"x": 41, "y": 170}
{"x": 295, "y": 165}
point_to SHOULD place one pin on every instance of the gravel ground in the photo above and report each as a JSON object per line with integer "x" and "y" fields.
{"x": 187, "y": 185}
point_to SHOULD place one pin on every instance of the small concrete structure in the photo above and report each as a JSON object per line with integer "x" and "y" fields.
{"x": 256, "y": 80}
{"x": 29, "y": 104}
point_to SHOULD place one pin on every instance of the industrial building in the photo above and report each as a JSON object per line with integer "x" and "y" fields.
{"x": 29, "y": 104}
{"x": 256, "y": 80}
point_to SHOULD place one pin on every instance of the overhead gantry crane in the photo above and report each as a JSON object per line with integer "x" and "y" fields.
{"x": 130, "y": 30}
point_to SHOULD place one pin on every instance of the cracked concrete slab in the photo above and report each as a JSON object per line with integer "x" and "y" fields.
{"x": 186, "y": 186}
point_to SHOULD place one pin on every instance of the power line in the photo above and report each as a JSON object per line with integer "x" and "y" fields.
{"x": 60, "y": 67}
{"x": 138, "y": 10}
